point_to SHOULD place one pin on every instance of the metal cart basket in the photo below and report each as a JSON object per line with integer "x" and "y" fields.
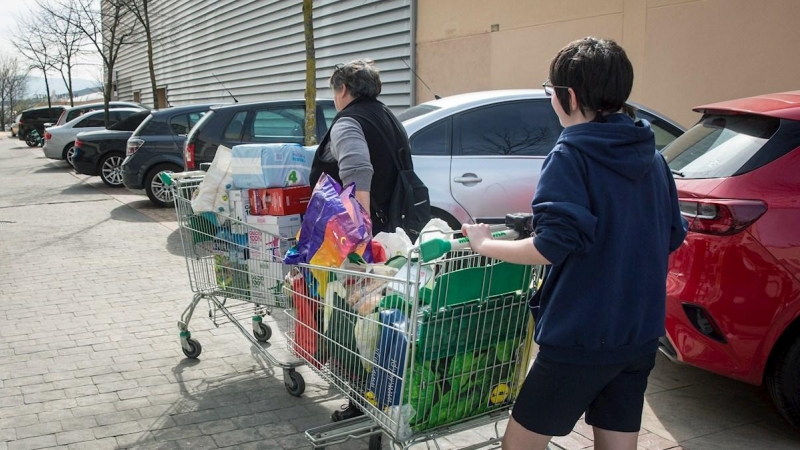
{"x": 237, "y": 268}
{"x": 424, "y": 349}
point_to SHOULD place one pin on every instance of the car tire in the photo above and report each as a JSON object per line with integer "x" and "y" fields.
{"x": 68, "y": 153}
{"x": 110, "y": 169}
{"x": 159, "y": 193}
{"x": 451, "y": 221}
{"x": 783, "y": 381}
{"x": 31, "y": 141}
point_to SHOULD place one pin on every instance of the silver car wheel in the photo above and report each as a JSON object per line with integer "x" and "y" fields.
{"x": 112, "y": 170}
{"x": 160, "y": 190}
{"x": 71, "y": 156}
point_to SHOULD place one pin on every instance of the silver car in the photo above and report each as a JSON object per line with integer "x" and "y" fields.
{"x": 480, "y": 153}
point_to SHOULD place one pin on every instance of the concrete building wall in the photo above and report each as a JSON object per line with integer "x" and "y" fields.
{"x": 255, "y": 48}
{"x": 685, "y": 52}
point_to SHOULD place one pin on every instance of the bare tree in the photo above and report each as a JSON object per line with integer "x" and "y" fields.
{"x": 13, "y": 80}
{"x": 68, "y": 41}
{"x": 108, "y": 27}
{"x": 141, "y": 10}
{"x": 31, "y": 41}
{"x": 311, "y": 74}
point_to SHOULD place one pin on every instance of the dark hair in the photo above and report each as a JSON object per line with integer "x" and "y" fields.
{"x": 599, "y": 72}
{"x": 360, "y": 76}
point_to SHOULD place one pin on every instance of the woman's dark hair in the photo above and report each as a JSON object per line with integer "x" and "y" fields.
{"x": 599, "y": 72}
{"x": 360, "y": 76}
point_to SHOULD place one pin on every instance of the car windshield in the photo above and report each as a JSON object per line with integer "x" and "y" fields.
{"x": 719, "y": 145}
{"x": 416, "y": 111}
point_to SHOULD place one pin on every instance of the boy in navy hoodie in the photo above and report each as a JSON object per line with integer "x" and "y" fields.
{"x": 606, "y": 218}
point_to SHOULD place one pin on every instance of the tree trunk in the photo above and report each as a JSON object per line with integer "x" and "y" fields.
{"x": 311, "y": 74}
{"x": 69, "y": 83}
{"x": 47, "y": 88}
{"x": 107, "y": 94}
{"x": 151, "y": 66}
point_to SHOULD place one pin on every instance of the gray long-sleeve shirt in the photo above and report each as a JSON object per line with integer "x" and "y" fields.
{"x": 349, "y": 148}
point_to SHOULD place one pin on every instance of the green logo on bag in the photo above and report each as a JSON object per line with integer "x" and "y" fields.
{"x": 292, "y": 177}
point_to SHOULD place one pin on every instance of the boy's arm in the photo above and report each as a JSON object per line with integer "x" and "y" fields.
{"x": 517, "y": 252}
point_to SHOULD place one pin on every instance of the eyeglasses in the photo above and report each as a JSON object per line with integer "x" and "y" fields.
{"x": 338, "y": 67}
{"x": 549, "y": 89}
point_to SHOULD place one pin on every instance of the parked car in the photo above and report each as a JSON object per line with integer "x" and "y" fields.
{"x": 102, "y": 152}
{"x": 156, "y": 147}
{"x": 70, "y": 114}
{"x": 15, "y": 126}
{"x": 59, "y": 141}
{"x": 733, "y": 290}
{"x": 35, "y": 118}
{"x": 480, "y": 153}
{"x": 244, "y": 123}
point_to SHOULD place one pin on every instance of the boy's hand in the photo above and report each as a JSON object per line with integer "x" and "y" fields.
{"x": 477, "y": 234}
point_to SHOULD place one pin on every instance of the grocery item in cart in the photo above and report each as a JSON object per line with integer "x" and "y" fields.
{"x": 270, "y": 165}
{"x": 279, "y": 201}
{"x": 212, "y": 194}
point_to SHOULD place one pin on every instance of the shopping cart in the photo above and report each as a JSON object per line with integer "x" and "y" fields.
{"x": 236, "y": 267}
{"x": 430, "y": 344}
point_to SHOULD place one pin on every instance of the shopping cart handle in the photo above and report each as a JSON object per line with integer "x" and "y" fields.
{"x": 170, "y": 178}
{"x": 435, "y": 248}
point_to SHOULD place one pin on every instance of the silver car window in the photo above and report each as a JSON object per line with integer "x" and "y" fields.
{"x": 524, "y": 128}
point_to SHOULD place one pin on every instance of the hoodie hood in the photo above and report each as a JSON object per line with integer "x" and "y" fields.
{"x": 620, "y": 144}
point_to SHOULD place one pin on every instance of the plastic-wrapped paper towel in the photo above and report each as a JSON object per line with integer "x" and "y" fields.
{"x": 257, "y": 166}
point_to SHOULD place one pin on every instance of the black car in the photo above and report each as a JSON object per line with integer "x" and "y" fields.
{"x": 35, "y": 118}
{"x": 102, "y": 152}
{"x": 157, "y": 146}
{"x": 280, "y": 121}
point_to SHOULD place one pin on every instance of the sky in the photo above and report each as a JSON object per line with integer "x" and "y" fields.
{"x": 12, "y": 10}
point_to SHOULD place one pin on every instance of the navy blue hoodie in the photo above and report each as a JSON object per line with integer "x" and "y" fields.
{"x": 606, "y": 216}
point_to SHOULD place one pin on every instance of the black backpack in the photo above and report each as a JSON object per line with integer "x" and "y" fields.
{"x": 410, "y": 206}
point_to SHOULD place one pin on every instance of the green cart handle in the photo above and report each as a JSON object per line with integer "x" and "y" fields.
{"x": 170, "y": 178}
{"x": 435, "y": 248}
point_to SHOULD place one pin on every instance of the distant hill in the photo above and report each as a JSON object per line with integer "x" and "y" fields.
{"x": 36, "y": 85}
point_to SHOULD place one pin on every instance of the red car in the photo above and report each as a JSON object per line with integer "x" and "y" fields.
{"x": 733, "y": 290}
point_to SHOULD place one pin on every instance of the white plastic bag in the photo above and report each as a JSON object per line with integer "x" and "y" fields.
{"x": 212, "y": 194}
{"x": 396, "y": 244}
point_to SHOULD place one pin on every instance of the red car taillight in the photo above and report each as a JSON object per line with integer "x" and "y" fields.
{"x": 721, "y": 217}
{"x": 78, "y": 143}
{"x": 48, "y": 136}
{"x": 188, "y": 156}
{"x": 133, "y": 145}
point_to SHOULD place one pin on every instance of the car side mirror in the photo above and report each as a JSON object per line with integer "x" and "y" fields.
{"x": 48, "y": 124}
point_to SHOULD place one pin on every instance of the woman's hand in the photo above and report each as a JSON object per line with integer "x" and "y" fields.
{"x": 478, "y": 234}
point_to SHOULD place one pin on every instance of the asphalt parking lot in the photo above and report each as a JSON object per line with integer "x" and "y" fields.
{"x": 92, "y": 283}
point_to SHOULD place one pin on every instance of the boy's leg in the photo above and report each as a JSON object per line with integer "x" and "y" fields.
{"x": 616, "y": 414}
{"x": 518, "y": 438}
{"x": 614, "y": 440}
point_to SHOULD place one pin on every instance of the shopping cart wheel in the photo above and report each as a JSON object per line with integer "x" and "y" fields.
{"x": 376, "y": 441}
{"x": 262, "y": 332}
{"x": 295, "y": 385}
{"x": 195, "y": 349}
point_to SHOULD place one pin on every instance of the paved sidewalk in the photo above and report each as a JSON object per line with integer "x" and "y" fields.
{"x": 92, "y": 283}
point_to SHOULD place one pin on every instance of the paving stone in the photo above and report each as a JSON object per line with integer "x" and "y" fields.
{"x": 116, "y": 429}
{"x": 33, "y": 443}
{"x": 38, "y": 430}
{"x": 71, "y": 437}
{"x": 196, "y": 443}
{"x": 237, "y": 437}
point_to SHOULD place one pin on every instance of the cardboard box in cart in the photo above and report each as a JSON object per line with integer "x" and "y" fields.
{"x": 279, "y": 201}
{"x": 267, "y": 243}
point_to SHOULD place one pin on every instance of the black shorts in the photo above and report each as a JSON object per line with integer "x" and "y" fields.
{"x": 554, "y": 395}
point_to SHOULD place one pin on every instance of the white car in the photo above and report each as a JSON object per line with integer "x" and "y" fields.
{"x": 60, "y": 140}
{"x": 480, "y": 153}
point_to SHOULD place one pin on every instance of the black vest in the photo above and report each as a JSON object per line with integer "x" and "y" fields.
{"x": 383, "y": 133}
